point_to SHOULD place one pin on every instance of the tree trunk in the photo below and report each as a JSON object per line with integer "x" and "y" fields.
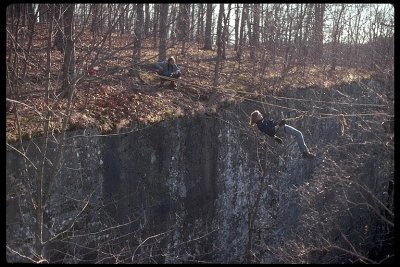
{"x": 39, "y": 242}
{"x": 208, "y": 37}
{"x": 43, "y": 13}
{"x": 318, "y": 36}
{"x": 249, "y": 24}
{"x": 219, "y": 45}
{"x": 31, "y": 29}
{"x": 183, "y": 25}
{"x": 147, "y": 20}
{"x": 237, "y": 18}
{"x": 121, "y": 18}
{"x": 68, "y": 86}
{"x": 242, "y": 30}
{"x": 95, "y": 19}
{"x": 138, "y": 41}
{"x": 200, "y": 23}
{"x": 336, "y": 33}
{"x": 59, "y": 41}
{"x": 162, "y": 51}
{"x": 225, "y": 32}
{"x": 191, "y": 26}
{"x": 173, "y": 17}
{"x": 256, "y": 32}
{"x": 155, "y": 24}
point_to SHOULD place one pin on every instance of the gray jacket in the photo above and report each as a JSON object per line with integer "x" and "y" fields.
{"x": 167, "y": 69}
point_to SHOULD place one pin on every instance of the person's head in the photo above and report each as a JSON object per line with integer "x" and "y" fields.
{"x": 171, "y": 60}
{"x": 255, "y": 117}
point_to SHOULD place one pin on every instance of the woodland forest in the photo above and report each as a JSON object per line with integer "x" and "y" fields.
{"x": 72, "y": 66}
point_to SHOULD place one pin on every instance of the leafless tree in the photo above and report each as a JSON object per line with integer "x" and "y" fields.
{"x": 317, "y": 35}
{"x": 147, "y": 19}
{"x": 95, "y": 19}
{"x": 200, "y": 23}
{"x": 220, "y": 31}
{"x": 242, "y": 36}
{"x": 138, "y": 41}
{"x": 162, "y": 52}
{"x": 208, "y": 36}
{"x": 237, "y": 19}
{"x": 225, "y": 33}
{"x": 337, "y": 30}
{"x": 183, "y": 25}
{"x": 156, "y": 24}
{"x": 256, "y": 32}
{"x": 68, "y": 86}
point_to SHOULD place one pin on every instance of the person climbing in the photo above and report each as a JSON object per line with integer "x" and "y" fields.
{"x": 271, "y": 127}
{"x": 168, "y": 69}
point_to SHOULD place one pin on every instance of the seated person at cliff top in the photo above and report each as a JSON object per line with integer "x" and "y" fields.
{"x": 169, "y": 69}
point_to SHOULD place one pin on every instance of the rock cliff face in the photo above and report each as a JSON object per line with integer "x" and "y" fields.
{"x": 210, "y": 188}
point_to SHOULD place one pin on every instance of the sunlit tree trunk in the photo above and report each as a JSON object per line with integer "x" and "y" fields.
{"x": 68, "y": 86}
{"x": 183, "y": 25}
{"x": 242, "y": 38}
{"x": 237, "y": 18}
{"x": 146, "y": 20}
{"x": 219, "y": 45}
{"x": 256, "y": 32}
{"x": 94, "y": 27}
{"x": 156, "y": 18}
{"x": 200, "y": 23}
{"x": 336, "y": 33}
{"x": 225, "y": 32}
{"x": 137, "y": 41}
{"x": 31, "y": 29}
{"x": 162, "y": 51}
{"x": 318, "y": 34}
{"x": 208, "y": 37}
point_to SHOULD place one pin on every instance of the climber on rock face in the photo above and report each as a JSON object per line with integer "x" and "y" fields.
{"x": 271, "y": 127}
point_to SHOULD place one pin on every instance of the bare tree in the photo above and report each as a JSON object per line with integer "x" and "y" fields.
{"x": 242, "y": 36}
{"x": 95, "y": 19}
{"x": 220, "y": 31}
{"x": 173, "y": 22}
{"x": 121, "y": 18}
{"x": 200, "y": 23}
{"x": 318, "y": 36}
{"x": 192, "y": 27}
{"x": 337, "y": 29}
{"x": 68, "y": 86}
{"x": 162, "y": 51}
{"x": 59, "y": 41}
{"x": 147, "y": 19}
{"x": 208, "y": 36}
{"x": 237, "y": 19}
{"x": 256, "y": 32}
{"x": 39, "y": 240}
{"x": 137, "y": 50}
{"x": 32, "y": 15}
{"x": 225, "y": 33}
{"x": 156, "y": 19}
{"x": 43, "y": 13}
{"x": 183, "y": 25}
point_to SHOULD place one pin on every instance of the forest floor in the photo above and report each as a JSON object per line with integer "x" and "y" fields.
{"x": 114, "y": 99}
